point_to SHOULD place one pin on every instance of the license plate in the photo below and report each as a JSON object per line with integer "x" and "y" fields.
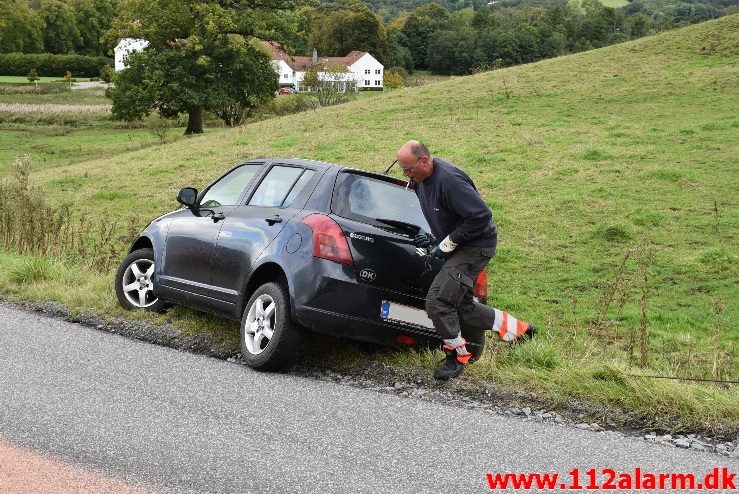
{"x": 392, "y": 311}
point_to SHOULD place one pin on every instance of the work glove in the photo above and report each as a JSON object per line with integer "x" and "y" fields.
{"x": 444, "y": 250}
{"x": 424, "y": 239}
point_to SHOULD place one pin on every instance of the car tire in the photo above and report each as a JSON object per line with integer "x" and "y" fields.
{"x": 269, "y": 337}
{"x": 475, "y": 338}
{"x": 134, "y": 282}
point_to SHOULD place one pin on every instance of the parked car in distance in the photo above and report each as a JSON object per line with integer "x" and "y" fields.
{"x": 289, "y": 246}
{"x": 285, "y": 90}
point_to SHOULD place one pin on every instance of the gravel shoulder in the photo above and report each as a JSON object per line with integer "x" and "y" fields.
{"x": 414, "y": 383}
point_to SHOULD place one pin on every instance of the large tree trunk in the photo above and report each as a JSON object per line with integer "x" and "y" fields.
{"x": 194, "y": 121}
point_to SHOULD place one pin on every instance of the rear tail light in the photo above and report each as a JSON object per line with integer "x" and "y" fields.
{"x": 405, "y": 339}
{"x": 329, "y": 241}
{"x": 480, "y": 289}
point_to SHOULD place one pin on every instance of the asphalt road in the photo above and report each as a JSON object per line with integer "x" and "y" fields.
{"x": 178, "y": 422}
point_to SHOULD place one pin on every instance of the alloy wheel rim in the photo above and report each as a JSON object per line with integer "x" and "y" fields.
{"x": 137, "y": 285}
{"x": 260, "y": 323}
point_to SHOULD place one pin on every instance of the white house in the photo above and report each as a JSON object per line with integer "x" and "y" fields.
{"x": 125, "y": 47}
{"x": 362, "y": 67}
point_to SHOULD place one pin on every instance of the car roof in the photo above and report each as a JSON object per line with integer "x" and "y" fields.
{"x": 324, "y": 165}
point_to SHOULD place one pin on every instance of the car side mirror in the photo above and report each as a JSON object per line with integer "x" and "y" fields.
{"x": 187, "y": 196}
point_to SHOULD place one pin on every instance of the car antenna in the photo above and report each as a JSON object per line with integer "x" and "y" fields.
{"x": 389, "y": 167}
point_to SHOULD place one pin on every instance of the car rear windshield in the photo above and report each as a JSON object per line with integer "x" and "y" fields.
{"x": 369, "y": 199}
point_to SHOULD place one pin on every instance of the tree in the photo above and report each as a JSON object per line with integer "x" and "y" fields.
{"x": 332, "y": 84}
{"x": 419, "y": 28}
{"x": 106, "y": 74}
{"x": 398, "y": 54}
{"x": 32, "y": 76}
{"x": 451, "y": 52}
{"x": 200, "y": 58}
{"x": 93, "y": 19}
{"x": 337, "y": 32}
{"x": 638, "y": 25}
{"x": 60, "y": 32}
{"x": 20, "y": 28}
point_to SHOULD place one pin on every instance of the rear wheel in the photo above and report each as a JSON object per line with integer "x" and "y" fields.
{"x": 269, "y": 338}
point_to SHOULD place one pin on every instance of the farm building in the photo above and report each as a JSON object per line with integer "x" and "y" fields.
{"x": 124, "y": 48}
{"x": 363, "y": 68}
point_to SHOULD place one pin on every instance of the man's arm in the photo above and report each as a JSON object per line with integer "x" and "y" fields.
{"x": 462, "y": 198}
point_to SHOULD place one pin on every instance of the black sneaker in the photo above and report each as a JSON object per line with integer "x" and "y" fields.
{"x": 529, "y": 333}
{"x": 451, "y": 368}
{"x": 526, "y": 336}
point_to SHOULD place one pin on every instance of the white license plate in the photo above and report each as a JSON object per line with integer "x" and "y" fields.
{"x": 392, "y": 311}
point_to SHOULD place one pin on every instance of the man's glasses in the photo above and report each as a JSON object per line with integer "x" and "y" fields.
{"x": 405, "y": 169}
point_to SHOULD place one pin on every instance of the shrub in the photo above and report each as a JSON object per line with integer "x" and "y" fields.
{"x": 395, "y": 77}
{"x": 48, "y": 64}
{"x": 32, "y": 76}
{"x": 291, "y": 103}
{"x": 158, "y": 126}
{"x": 107, "y": 73}
{"x": 31, "y": 226}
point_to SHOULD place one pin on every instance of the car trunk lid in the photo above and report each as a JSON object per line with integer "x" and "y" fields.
{"x": 380, "y": 217}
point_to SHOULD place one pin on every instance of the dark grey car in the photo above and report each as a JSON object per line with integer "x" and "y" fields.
{"x": 288, "y": 245}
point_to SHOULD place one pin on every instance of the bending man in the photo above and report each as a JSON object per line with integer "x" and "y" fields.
{"x": 462, "y": 233}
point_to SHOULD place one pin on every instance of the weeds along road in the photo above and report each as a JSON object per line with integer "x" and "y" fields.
{"x": 169, "y": 421}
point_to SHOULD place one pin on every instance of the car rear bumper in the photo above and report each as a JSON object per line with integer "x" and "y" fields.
{"x": 331, "y": 301}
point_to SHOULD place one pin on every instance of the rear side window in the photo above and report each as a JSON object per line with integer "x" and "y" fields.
{"x": 227, "y": 190}
{"x": 298, "y": 187}
{"x": 274, "y": 189}
{"x": 368, "y": 199}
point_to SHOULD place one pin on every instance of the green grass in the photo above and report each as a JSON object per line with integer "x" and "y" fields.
{"x": 583, "y": 159}
{"x": 19, "y": 79}
{"x": 53, "y": 146}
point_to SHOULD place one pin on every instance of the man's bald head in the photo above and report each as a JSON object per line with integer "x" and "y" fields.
{"x": 415, "y": 160}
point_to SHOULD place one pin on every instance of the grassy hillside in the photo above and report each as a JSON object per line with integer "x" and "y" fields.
{"x": 612, "y": 175}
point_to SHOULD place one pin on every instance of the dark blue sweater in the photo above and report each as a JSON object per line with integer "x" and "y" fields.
{"x": 453, "y": 207}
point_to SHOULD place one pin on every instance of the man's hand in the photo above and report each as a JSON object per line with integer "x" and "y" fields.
{"x": 440, "y": 254}
{"x": 444, "y": 249}
{"x": 424, "y": 239}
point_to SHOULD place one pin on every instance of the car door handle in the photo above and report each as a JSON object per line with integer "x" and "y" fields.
{"x": 273, "y": 219}
{"x": 218, "y": 217}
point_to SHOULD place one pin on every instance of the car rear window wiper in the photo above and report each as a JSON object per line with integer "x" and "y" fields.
{"x": 401, "y": 225}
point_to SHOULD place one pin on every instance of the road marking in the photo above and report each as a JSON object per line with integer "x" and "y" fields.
{"x": 23, "y": 470}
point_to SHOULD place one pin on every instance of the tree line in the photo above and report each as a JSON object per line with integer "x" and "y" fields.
{"x": 208, "y": 56}
{"x": 462, "y": 37}
{"x": 449, "y": 37}
{"x": 56, "y": 26}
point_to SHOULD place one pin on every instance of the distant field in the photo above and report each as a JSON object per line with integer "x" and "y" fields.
{"x": 52, "y": 146}
{"x": 63, "y": 128}
{"x": 612, "y": 175}
{"x": 614, "y": 4}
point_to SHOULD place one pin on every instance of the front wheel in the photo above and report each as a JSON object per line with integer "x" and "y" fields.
{"x": 134, "y": 282}
{"x": 269, "y": 338}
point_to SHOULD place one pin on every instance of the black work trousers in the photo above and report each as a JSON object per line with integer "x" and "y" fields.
{"x": 449, "y": 302}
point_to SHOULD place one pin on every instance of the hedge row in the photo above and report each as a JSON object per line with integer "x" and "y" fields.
{"x": 50, "y": 65}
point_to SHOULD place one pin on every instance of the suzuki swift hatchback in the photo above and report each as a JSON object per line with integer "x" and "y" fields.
{"x": 288, "y": 245}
